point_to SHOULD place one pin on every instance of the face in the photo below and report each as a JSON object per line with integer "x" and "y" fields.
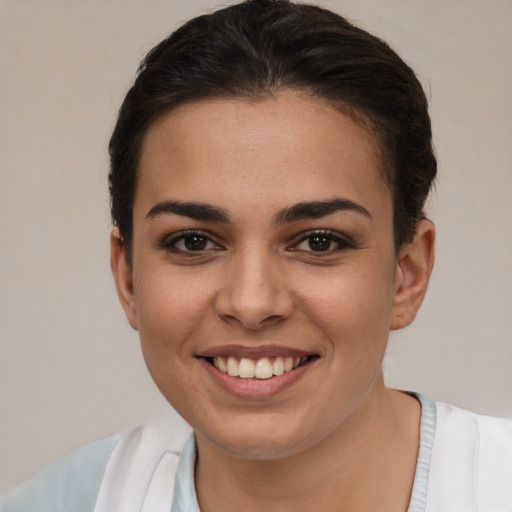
{"x": 264, "y": 280}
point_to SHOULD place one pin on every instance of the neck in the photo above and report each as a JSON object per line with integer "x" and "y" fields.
{"x": 368, "y": 463}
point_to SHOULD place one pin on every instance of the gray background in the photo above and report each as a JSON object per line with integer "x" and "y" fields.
{"x": 70, "y": 367}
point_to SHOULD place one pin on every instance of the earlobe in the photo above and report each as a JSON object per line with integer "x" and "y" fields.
{"x": 123, "y": 277}
{"x": 414, "y": 267}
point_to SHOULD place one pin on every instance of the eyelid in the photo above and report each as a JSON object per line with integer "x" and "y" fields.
{"x": 344, "y": 241}
{"x": 169, "y": 241}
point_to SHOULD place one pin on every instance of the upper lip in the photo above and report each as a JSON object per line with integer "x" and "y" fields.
{"x": 253, "y": 352}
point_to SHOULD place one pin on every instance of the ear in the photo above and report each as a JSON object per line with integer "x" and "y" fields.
{"x": 123, "y": 277}
{"x": 414, "y": 266}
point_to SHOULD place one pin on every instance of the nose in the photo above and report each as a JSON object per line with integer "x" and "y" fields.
{"x": 254, "y": 292}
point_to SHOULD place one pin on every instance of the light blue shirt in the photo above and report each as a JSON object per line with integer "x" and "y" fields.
{"x": 69, "y": 485}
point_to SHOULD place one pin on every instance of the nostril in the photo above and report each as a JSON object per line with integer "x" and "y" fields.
{"x": 251, "y": 321}
{"x": 254, "y": 300}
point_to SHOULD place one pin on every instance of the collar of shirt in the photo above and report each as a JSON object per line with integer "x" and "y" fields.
{"x": 184, "y": 489}
{"x": 185, "y": 497}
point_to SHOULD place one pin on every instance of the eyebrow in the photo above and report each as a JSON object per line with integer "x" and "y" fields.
{"x": 193, "y": 210}
{"x": 317, "y": 210}
{"x": 299, "y": 211}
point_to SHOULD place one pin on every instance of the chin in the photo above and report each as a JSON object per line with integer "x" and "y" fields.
{"x": 258, "y": 439}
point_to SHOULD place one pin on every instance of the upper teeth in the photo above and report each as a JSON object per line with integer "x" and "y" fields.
{"x": 263, "y": 368}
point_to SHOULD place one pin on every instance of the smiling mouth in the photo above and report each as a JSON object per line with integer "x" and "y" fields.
{"x": 263, "y": 368}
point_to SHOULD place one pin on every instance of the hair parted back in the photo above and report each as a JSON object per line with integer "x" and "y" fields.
{"x": 255, "y": 49}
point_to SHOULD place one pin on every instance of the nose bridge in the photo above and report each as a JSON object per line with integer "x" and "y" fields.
{"x": 254, "y": 291}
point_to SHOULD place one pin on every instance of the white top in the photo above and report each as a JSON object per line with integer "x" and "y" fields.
{"x": 464, "y": 465}
{"x": 471, "y": 463}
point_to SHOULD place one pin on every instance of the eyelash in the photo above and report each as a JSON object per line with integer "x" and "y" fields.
{"x": 322, "y": 235}
{"x": 343, "y": 242}
{"x": 170, "y": 243}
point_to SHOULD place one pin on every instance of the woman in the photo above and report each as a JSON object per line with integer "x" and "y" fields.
{"x": 269, "y": 171}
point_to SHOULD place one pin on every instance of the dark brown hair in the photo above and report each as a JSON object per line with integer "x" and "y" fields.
{"x": 258, "y": 47}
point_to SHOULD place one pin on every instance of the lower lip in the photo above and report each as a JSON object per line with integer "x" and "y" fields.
{"x": 256, "y": 388}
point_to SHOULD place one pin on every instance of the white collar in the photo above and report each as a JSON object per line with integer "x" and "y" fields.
{"x": 153, "y": 466}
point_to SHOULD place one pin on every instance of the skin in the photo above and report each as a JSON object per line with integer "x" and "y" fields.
{"x": 336, "y": 438}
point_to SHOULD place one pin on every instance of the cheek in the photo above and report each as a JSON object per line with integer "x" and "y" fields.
{"x": 356, "y": 289}
{"x": 353, "y": 306}
{"x": 170, "y": 307}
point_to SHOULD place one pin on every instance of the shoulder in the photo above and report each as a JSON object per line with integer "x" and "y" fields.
{"x": 486, "y": 441}
{"x": 142, "y": 463}
{"x": 471, "y": 462}
{"x": 69, "y": 484}
{"x": 111, "y": 474}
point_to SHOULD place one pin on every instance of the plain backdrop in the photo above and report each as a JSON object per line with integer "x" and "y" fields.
{"x": 71, "y": 369}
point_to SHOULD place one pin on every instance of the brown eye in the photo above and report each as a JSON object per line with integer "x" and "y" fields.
{"x": 195, "y": 242}
{"x": 319, "y": 243}
{"x": 323, "y": 241}
{"x": 189, "y": 242}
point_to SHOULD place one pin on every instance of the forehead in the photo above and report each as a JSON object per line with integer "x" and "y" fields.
{"x": 287, "y": 147}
